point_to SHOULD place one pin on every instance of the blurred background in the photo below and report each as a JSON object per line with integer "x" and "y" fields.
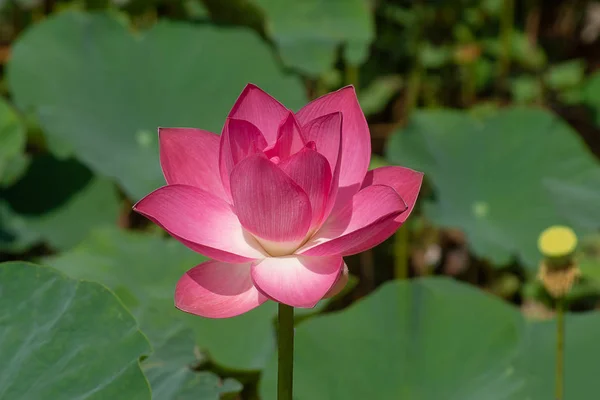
{"x": 498, "y": 102}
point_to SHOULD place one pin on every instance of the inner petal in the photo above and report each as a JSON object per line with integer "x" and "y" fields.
{"x": 290, "y": 139}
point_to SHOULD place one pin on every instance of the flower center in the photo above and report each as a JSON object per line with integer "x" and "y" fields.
{"x": 278, "y": 249}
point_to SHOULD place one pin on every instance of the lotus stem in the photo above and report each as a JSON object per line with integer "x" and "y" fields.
{"x": 560, "y": 348}
{"x": 285, "y": 359}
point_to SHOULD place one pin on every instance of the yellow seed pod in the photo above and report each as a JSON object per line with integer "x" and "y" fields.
{"x": 557, "y": 242}
{"x": 558, "y": 282}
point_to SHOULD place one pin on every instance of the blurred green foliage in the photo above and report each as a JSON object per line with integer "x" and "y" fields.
{"x": 498, "y": 102}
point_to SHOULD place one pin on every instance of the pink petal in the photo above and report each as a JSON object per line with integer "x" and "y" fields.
{"x": 405, "y": 181}
{"x": 407, "y": 184}
{"x": 215, "y": 289}
{"x": 256, "y": 106}
{"x": 339, "y": 284}
{"x": 297, "y": 281}
{"x": 289, "y": 139}
{"x": 356, "y": 140}
{"x": 270, "y": 204}
{"x": 239, "y": 140}
{"x": 201, "y": 221}
{"x": 361, "y": 221}
{"x": 326, "y": 133}
{"x": 190, "y": 157}
{"x": 310, "y": 170}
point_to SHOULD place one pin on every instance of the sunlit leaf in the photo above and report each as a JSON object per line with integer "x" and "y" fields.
{"x": 492, "y": 175}
{"x": 66, "y": 339}
{"x": 110, "y": 89}
{"x": 143, "y": 271}
{"x": 432, "y": 339}
{"x": 169, "y": 371}
{"x": 406, "y": 341}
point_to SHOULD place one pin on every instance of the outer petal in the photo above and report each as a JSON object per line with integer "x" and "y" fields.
{"x": 361, "y": 221}
{"x": 296, "y": 280}
{"x": 405, "y": 181}
{"x": 289, "y": 139}
{"x": 239, "y": 140}
{"x": 190, "y": 157}
{"x": 270, "y": 204}
{"x": 407, "y": 184}
{"x": 215, "y": 289}
{"x": 339, "y": 284}
{"x": 356, "y": 140}
{"x": 256, "y": 106}
{"x": 310, "y": 170}
{"x": 201, "y": 221}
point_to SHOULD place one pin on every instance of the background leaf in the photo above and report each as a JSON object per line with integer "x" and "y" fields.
{"x": 13, "y": 160}
{"x": 143, "y": 270}
{"x": 65, "y": 339}
{"x": 56, "y": 202}
{"x": 490, "y": 174}
{"x": 408, "y": 333}
{"x": 171, "y": 377}
{"x": 308, "y": 33}
{"x": 175, "y": 75}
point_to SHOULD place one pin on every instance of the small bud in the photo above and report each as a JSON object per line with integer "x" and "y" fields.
{"x": 558, "y": 271}
{"x": 558, "y": 282}
{"x": 557, "y": 244}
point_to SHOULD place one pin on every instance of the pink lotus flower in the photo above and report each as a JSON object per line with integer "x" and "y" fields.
{"x": 276, "y": 201}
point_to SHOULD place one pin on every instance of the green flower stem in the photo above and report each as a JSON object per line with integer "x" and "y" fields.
{"x": 560, "y": 348}
{"x": 285, "y": 359}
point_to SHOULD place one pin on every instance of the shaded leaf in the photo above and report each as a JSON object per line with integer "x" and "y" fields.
{"x": 56, "y": 202}
{"x": 308, "y": 33}
{"x": 13, "y": 160}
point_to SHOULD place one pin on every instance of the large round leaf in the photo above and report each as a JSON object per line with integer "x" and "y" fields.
{"x": 494, "y": 176}
{"x": 309, "y": 33}
{"x": 432, "y": 339}
{"x": 143, "y": 271}
{"x": 171, "y": 377}
{"x": 56, "y": 202}
{"x": 429, "y": 339}
{"x": 104, "y": 91}
{"x": 536, "y": 362}
{"x": 13, "y": 161}
{"x": 65, "y": 339}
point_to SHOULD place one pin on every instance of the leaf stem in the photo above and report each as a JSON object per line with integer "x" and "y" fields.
{"x": 401, "y": 253}
{"x": 560, "y": 348}
{"x": 352, "y": 73}
{"x": 285, "y": 360}
{"x": 507, "y": 21}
